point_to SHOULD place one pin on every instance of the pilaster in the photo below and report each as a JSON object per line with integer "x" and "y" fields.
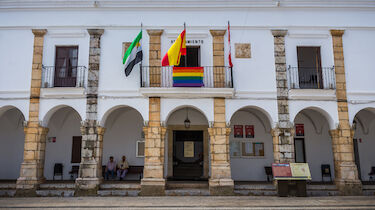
{"x": 31, "y": 174}
{"x": 218, "y": 57}
{"x": 346, "y": 173}
{"x": 153, "y": 182}
{"x": 155, "y": 57}
{"x": 283, "y": 142}
{"x": 220, "y": 182}
{"x": 90, "y": 176}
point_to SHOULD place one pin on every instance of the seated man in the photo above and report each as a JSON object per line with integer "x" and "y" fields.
{"x": 110, "y": 168}
{"x": 122, "y": 168}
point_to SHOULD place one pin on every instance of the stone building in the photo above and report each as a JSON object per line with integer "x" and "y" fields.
{"x": 301, "y": 90}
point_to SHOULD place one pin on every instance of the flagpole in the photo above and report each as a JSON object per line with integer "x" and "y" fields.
{"x": 186, "y": 47}
{"x": 140, "y": 66}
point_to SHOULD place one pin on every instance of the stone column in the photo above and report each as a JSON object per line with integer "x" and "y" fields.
{"x": 155, "y": 57}
{"x": 32, "y": 168}
{"x": 346, "y": 174}
{"x": 90, "y": 176}
{"x": 283, "y": 142}
{"x": 153, "y": 182}
{"x": 220, "y": 182}
{"x": 218, "y": 57}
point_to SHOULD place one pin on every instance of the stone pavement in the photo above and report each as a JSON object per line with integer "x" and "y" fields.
{"x": 190, "y": 202}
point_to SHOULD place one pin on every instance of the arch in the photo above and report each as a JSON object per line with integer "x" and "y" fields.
{"x": 170, "y": 113}
{"x": 364, "y": 126}
{"x": 262, "y": 111}
{"x": 6, "y": 108}
{"x": 52, "y": 111}
{"x": 104, "y": 118}
{"x": 325, "y": 114}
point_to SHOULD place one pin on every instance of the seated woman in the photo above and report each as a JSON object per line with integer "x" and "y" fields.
{"x": 122, "y": 168}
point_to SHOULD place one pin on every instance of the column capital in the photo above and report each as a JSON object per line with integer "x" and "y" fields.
{"x": 218, "y": 32}
{"x": 279, "y": 32}
{"x": 335, "y": 32}
{"x": 155, "y": 32}
{"x": 95, "y": 31}
{"x": 39, "y": 32}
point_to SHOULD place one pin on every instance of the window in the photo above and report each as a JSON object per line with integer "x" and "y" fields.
{"x": 140, "y": 149}
{"x": 66, "y": 66}
{"x": 76, "y": 149}
{"x": 192, "y": 58}
{"x": 243, "y": 148}
{"x": 309, "y": 68}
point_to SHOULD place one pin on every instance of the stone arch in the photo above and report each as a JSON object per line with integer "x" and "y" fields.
{"x": 360, "y": 122}
{"x": 53, "y": 110}
{"x": 6, "y": 108}
{"x": 103, "y": 120}
{"x": 170, "y": 113}
{"x": 268, "y": 126}
{"x": 325, "y": 114}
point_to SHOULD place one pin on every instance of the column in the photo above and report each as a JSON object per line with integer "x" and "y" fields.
{"x": 90, "y": 171}
{"x": 32, "y": 168}
{"x": 153, "y": 182}
{"x": 346, "y": 174}
{"x": 155, "y": 57}
{"x": 218, "y": 57}
{"x": 283, "y": 143}
{"x": 220, "y": 182}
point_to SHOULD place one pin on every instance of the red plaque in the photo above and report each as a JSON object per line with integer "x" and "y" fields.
{"x": 238, "y": 131}
{"x": 281, "y": 170}
{"x": 249, "y": 131}
{"x": 300, "y": 130}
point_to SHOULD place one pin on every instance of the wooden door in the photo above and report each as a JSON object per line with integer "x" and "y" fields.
{"x": 66, "y": 66}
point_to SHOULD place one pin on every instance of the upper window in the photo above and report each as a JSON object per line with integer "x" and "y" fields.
{"x": 66, "y": 64}
{"x": 192, "y": 58}
{"x": 309, "y": 68}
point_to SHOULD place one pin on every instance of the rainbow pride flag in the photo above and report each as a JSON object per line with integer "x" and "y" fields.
{"x": 188, "y": 77}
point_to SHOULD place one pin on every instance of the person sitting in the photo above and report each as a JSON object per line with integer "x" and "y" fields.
{"x": 122, "y": 168}
{"x": 110, "y": 168}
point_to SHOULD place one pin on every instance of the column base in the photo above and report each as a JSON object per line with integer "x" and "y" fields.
{"x": 350, "y": 188}
{"x": 221, "y": 186}
{"x": 152, "y": 187}
{"x": 87, "y": 186}
{"x": 26, "y": 186}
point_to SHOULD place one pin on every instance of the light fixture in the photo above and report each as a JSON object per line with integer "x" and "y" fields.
{"x": 187, "y": 121}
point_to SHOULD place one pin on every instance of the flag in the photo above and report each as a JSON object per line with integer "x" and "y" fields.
{"x": 133, "y": 54}
{"x": 172, "y": 58}
{"x": 188, "y": 77}
{"x": 229, "y": 54}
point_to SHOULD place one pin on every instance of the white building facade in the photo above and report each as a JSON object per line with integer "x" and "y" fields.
{"x": 301, "y": 90}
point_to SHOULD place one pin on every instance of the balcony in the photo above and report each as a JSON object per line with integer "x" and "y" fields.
{"x": 157, "y": 81}
{"x": 73, "y": 76}
{"x": 311, "y": 78}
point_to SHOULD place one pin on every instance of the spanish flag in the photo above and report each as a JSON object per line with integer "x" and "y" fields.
{"x": 172, "y": 58}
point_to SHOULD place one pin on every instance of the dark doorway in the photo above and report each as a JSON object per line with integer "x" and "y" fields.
{"x": 187, "y": 155}
{"x": 66, "y": 66}
{"x": 356, "y": 157}
{"x": 309, "y": 68}
{"x": 299, "y": 150}
{"x": 192, "y": 58}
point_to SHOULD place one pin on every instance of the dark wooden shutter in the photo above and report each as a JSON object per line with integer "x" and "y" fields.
{"x": 309, "y": 67}
{"x": 76, "y": 149}
{"x": 66, "y": 66}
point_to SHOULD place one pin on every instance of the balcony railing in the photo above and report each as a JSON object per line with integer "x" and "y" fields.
{"x": 213, "y": 76}
{"x": 311, "y": 78}
{"x": 66, "y": 77}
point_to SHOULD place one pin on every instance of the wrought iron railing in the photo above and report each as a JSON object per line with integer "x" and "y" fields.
{"x": 66, "y": 77}
{"x": 213, "y": 76}
{"x": 311, "y": 78}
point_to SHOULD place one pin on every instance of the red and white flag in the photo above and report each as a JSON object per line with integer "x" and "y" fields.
{"x": 229, "y": 54}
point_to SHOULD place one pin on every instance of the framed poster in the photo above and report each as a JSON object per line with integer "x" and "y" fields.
{"x": 238, "y": 131}
{"x": 247, "y": 149}
{"x": 249, "y": 131}
{"x": 189, "y": 149}
{"x": 259, "y": 149}
{"x": 300, "y": 130}
{"x": 235, "y": 149}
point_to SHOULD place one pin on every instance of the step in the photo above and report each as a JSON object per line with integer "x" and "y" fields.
{"x": 120, "y": 186}
{"x": 368, "y": 190}
{"x": 55, "y": 193}
{"x": 186, "y": 185}
{"x": 255, "y": 189}
{"x": 118, "y": 192}
{"x": 52, "y": 186}
{"x": 187, "y": 192}
{"x": 322, "y": 190}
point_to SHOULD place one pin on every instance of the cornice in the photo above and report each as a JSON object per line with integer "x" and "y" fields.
{"x": 184, "y": 4}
